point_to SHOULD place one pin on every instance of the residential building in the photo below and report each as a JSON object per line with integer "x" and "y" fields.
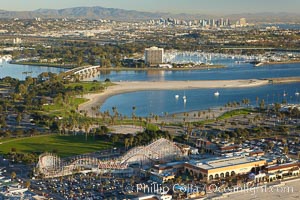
{"x": 154, "y": 56}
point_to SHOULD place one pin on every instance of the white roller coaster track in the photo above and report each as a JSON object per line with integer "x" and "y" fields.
{"x": 161, "y": 150}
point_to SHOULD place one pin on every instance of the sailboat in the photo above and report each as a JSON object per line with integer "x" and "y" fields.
{"x": 284, "y": 94}
{"x": 184, "y": 97}
{"x": 216, "y": 93}
{"x": 176, "y": 96}
{"x": 297, "y": 93}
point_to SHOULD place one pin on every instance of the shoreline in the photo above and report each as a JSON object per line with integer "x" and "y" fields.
{"x": 284, "y": 80}
{"x": 278, "y": 63}
{"x": 42, "y": 65}
{"x": 95, "y": 99}
{"x": 126, "y": 87}
{"x": 198, "y": 67}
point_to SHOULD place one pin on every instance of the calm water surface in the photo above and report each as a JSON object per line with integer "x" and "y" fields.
{"x": 232, "y": 72}
{"x": 22, "y": 71}
{"x": 159, "y": 102}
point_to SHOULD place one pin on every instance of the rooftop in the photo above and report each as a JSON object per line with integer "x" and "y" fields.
{"x": 283, "y": 166}
{"x": 154, "y": 48}
{"x": 219, "y": 162}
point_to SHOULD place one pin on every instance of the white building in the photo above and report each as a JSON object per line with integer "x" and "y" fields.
{"x": 154, "y": 56}
{"x": 17, "y": 41}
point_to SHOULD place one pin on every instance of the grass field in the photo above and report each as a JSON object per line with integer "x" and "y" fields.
{"x": 89, "y": 87}
{"x": 59, "y": 108}
{"x": 63, "y": 145}
{"x": 234, "y": 113}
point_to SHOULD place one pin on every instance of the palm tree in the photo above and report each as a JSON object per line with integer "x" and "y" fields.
{"x": 115, "y": 115}
{"x": 172, "y": 137}
{"x": 126, "y": 143}
{"x": 13, "y": 175}
{"x": 257, "y": 99}
{"x": 93, "y": 108}
{"x": 131, "y": 139}
{"x": 133, "y": 113}
{"x": 27, "y": 184}
{"x": 199, "y": 114}
{"x": 141, "y": 121}
{"x": 173, "y": 116}
{"x": 186, "y": 137}
{"x": 86, "y": 129}
{"x": 19, "y": 118}
{"x": 270, "y": 145}
{"x": 133, "y": 110}
{"x": 285, "y": 150}
{"x": 115, "y": 138}
{"x": 262, "y": 104}
{"x": 162, "y": 124}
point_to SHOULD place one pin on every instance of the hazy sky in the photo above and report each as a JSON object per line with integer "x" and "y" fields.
{"x": 194, "y": 6}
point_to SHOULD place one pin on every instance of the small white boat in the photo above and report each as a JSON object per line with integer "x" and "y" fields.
{"x": 216, "y": 93}
{"x": 176, "y": 96}
{"x": 297, "y": 93}
{"x": 284, "y": 94}
{"x": 259, "y": 64}
{"x": 184, "y": 100}
{"x": 184, "y": 97}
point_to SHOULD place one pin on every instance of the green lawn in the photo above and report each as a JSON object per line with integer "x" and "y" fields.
{"x": 89, "y": 86}
{"x": 226, "y": 115}
{"x": 233, "y": 113}
{"x": 58, "y": 107}
{"x": 63, "y": 110}
{"x": 63, "y": 145}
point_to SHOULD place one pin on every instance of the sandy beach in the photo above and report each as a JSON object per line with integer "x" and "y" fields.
{"x": 125, "y": 87}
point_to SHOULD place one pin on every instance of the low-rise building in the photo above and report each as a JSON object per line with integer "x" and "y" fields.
{"x": 285, "y": 169}
{"x": 169, "y": 168}
{"x": 218, "y": 168}
{"x": 161, "y": 178}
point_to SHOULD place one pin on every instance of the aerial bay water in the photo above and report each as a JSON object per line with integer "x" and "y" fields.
{"x": 160, "y": 102}
{"x": 231, "y": 72}
{"x": 164, "y": 101}
{"x": 22, "y": 71}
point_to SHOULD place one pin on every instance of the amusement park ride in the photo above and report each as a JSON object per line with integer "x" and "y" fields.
{"x": 161, "y": 150}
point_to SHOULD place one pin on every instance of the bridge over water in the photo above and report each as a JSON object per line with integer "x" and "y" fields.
{"x": 82, "y": 72}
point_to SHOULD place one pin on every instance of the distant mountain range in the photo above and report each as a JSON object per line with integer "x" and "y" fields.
{"x": 82, "y": 12}
{"x": 132, "y": 15}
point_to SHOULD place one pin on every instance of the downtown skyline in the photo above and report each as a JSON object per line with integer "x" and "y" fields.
{"x": 174, "y": 6}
